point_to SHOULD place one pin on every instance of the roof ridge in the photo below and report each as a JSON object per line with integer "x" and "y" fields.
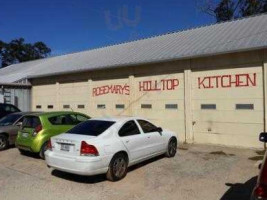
{"x": 163, "y": 34}
{"x": 184, "y": 47}
{"x": 144, "y": 38}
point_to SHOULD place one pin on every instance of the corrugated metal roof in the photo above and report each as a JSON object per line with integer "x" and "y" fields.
{"x": 238, "y": 35}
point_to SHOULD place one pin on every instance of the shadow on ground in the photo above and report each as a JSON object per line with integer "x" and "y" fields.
{"x": 78, "y": 178}
{"x": 99, "y": 178}
{"x": 256, "y": 158}
{"x": 31, "y": 155}
{"x": 240, "y": 191}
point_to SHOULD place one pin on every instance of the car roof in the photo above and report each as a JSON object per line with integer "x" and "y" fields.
{"x": 24, "y": 113}
{"x": 39, "y": 114}
{"x": 7, "y": 104}
{"x": 118, "y": 118}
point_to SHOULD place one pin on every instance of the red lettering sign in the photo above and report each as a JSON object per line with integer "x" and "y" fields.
{"x": 165, "y": 84}
{"x": 227, "y": 81}
{"x": 111, "y": 89}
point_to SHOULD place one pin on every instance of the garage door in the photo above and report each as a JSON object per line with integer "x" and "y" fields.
{"x": 228, "y": 106}
{"x": 110, "y": 98}
{"x": 44, "y": 98}
{"x": 74, "y": 96}
{"x": 161, "y": 100}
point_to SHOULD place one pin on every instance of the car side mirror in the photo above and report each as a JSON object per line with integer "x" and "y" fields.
{"x": 263, "y": 137}
{"x": 260, "y": 166}
{"x": 19, "y": 124}
{"x": 159, "y": 129}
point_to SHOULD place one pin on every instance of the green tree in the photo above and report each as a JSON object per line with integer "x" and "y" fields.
{"x": 225, "y": 10}
{"x": 18, "y": 51}
{"x": 2, "y": 44}
{"x": 251, "y": 7}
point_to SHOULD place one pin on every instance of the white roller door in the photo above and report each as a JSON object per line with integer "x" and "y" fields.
{"x": 227, "y": 106}
{"x": 110, "y": 98}
{"x": 161, "y": 100}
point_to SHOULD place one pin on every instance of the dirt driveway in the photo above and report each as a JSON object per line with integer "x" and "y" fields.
{"x": 197, "y": 172}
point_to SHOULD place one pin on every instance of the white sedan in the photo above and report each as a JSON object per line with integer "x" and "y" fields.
{"x": 108, "y": 146}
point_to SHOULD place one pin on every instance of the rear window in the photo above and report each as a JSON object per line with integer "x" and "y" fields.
{"x": 91, "y": 127}
{"x": 9, "y": 108}
{"x": 31, "y": 122}
{"x": 14, "y": 109}
{"x": 9, "y": 119}
{"x": 67, "y": 119}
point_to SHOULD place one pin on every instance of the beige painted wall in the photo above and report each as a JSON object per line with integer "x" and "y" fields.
{"x": 44, "y": 95}
{"x": 172, "y": 119}
{"x": 73, "y": 94}
{"x": 110, "y": 93}
{"x": 225, "y": 126}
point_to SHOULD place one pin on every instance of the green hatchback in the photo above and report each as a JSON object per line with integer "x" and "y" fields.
{"x": 37, "y": 129}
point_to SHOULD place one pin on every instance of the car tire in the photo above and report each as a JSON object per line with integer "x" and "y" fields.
{"x": 172, "y": 148}
{"x": 3, "y": 142}
{"x": 117, "y": 168}
{"x": 42, "y": 151}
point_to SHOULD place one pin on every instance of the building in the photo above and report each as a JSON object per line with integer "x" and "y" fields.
{"x": 18, "y": 94}
{"x": 208, "y": 84}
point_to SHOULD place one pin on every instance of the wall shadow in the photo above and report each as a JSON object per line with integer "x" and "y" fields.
{"x": 240, "y": 191}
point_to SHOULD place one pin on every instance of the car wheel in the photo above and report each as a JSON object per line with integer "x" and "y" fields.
{"x": 42, "y": 151}
{"x": 172, "y": 148}
{"x": 117, "y": 168}
{"x": 3, "y": 142}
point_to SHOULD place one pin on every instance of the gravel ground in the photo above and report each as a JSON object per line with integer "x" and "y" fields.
{"x": 197, "y": 172}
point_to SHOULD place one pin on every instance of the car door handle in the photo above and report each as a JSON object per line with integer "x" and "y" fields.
{"x": 148, "y": 137}
{"x": 127, "y": 141}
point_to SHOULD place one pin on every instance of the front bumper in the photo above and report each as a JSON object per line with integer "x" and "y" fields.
{"x": 76, "y": 165}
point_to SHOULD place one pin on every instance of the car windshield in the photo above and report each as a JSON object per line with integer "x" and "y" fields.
{"x": 9, "y": 119}
{"x": 91, "y": 127}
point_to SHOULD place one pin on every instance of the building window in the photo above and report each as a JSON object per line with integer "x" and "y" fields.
{"x": 208, "y": 106}
{"x": 38, "y": 107}
{"x": 146, "y": 106}
{"x": 120, "y": 106}
{"x": 66, "y": 106}
{"x": 81, "y": 106}
{"x": 101, "y": 106}
{"x": 171, "y": 106}
{"x": 50, "y": 106}
{"x": 244, "y": 106}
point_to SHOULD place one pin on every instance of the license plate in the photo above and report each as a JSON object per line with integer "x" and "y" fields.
{"x": 25, "y": 134}
{"x": 65, "y": 147}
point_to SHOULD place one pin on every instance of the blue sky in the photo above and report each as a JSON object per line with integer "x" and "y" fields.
{"x": 75, "y": 25}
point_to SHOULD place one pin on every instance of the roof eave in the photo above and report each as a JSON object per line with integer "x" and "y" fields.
{"x": 147, "y": 62}
{"x": 19, "y": 85}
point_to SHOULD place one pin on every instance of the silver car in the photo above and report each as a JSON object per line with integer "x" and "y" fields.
{"x": 9, "y": 127}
